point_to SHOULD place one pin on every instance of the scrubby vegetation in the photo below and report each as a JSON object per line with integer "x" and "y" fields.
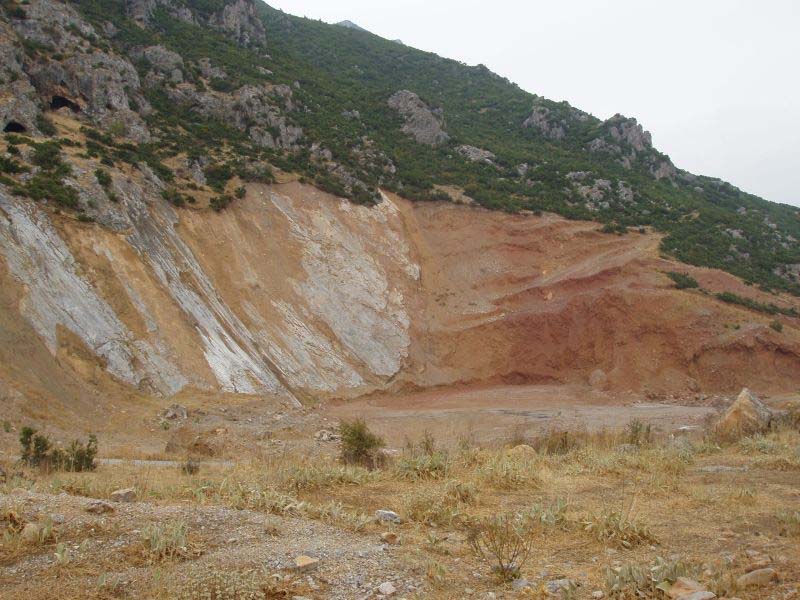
{"x": 359, "y": 444}
{"x": 336, "y": 73}
{"x": 38, "y": 451}
{"x": 683, "y": 281}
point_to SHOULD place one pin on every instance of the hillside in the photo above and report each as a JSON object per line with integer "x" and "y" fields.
{"x": 218, "y": 196}
{"x": 242, "y": 85}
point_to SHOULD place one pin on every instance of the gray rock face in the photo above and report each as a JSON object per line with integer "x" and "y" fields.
{"x": 473, "y": 154}
{"x": 628, "y": 130}
{"x": 240, "y": 20}
{"x": 424, "y": 124}
{"x": 59, "y": 297}
{"x": 626, "y": 138}
{"x": 18, "y": 100}
{"x": 541, "y": 120}
{"x": 162, "y": 61}
{"x": 104, "y": 85}
{"x": 255, "y": 109}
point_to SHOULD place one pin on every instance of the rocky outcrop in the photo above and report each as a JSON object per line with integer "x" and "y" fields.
{"x": 423, "y": 123}
{"x": 239, "y": 19}
{"x": 18, "y": 100}
{"x": 103, "y": 85}
{"x": 258, "y": 110}
{"x": 163, "y": 63}
{"x": 626, "y": 138}
{"x": 473, "y": 154}
{"x": 541, "y": 120}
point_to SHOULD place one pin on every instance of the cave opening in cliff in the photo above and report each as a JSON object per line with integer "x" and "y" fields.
{"x": 14, "y": 127}
{"x": 61, "y": 102}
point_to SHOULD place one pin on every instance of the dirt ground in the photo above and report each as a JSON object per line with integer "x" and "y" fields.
{"x": 270, "y": 489}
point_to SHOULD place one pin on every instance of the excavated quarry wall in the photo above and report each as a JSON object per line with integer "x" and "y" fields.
{"x": 294, "y": 292}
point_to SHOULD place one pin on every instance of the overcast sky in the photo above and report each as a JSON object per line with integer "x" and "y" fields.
{"x": 717, "y": 82}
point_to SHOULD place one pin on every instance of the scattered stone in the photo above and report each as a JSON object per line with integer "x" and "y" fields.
{"x": 598, "y": 594}
{"x": 761, "y": 563}
{"x": 176, "y": 412}
{"x": 758, "y": 578}
{"x": 99, "y": 507}
{"x": 520, "y": 584}
{"x": 698, "y": 596}
{"x": 125, "y": 495}
{"x": 387, "y": 516}
{"x": 305, "y": 563}
{"x": 30, "y": 533}
{"x": 555, "y": 586}
{"x": 389, "y": 537}
{"x": 684, "y": 586}
{"x": 387, "y": 589}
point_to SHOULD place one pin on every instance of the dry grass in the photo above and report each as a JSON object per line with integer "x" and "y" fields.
{"x": 466, "y": 509}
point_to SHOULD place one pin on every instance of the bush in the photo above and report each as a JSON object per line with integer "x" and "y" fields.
{"x": 220, "y": 203}
{"x": 359, "y": 444}
{"x": 777, "y": 326}
{"x": 38, "y": 451}
{"x": 103, "y": 178}
{"x": 505, "y": 539}
{"x": 683, "y": 281}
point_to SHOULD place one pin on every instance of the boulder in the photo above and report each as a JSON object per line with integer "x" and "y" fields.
{"x": 387, "y": 516}
{"x": 746, "y": 416}
{"x": 304, "y": 563}
{"x": 389, "y": 537}
{"x": 387, "y": 589}
{"x": 99, "y": 507}
{"x": 758, "y": 578}
{"x": 124, "y": 495}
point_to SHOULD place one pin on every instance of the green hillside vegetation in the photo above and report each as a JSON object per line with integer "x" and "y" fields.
{"x": 335, "y": 70}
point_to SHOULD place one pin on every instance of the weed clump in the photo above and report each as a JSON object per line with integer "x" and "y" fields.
{"x": 360, "y": 446}
{"x": 505, "y": 539}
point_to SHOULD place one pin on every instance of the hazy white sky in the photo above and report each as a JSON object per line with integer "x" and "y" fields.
{"x": 717, "y": 82}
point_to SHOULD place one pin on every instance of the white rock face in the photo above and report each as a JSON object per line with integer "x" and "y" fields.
{"x": 57, "y": 296}
{"x": 346, "y": 286}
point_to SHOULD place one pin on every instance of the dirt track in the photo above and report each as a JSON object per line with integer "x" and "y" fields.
{"x": 495, "y": 413}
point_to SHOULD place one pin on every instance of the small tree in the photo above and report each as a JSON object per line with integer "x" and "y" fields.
{"x": 359, "y": 444}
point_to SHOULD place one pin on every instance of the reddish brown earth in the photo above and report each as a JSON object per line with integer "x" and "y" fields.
{"x": 336, "y": 301}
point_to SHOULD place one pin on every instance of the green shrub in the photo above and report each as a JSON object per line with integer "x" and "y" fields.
{"x": 770, "y": 309}
{"x": 683, "y": 281}
{"x": 359, "y": 444}
{"x": 103, "y": 178}
{"x": 38, "y": 451}
{"x": 219, "y": 203}
{"x": 777, "y": 326}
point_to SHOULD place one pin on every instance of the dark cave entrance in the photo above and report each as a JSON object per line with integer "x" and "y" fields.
{"x": 61, "y": 102}
{"x": 14, "y": 127}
